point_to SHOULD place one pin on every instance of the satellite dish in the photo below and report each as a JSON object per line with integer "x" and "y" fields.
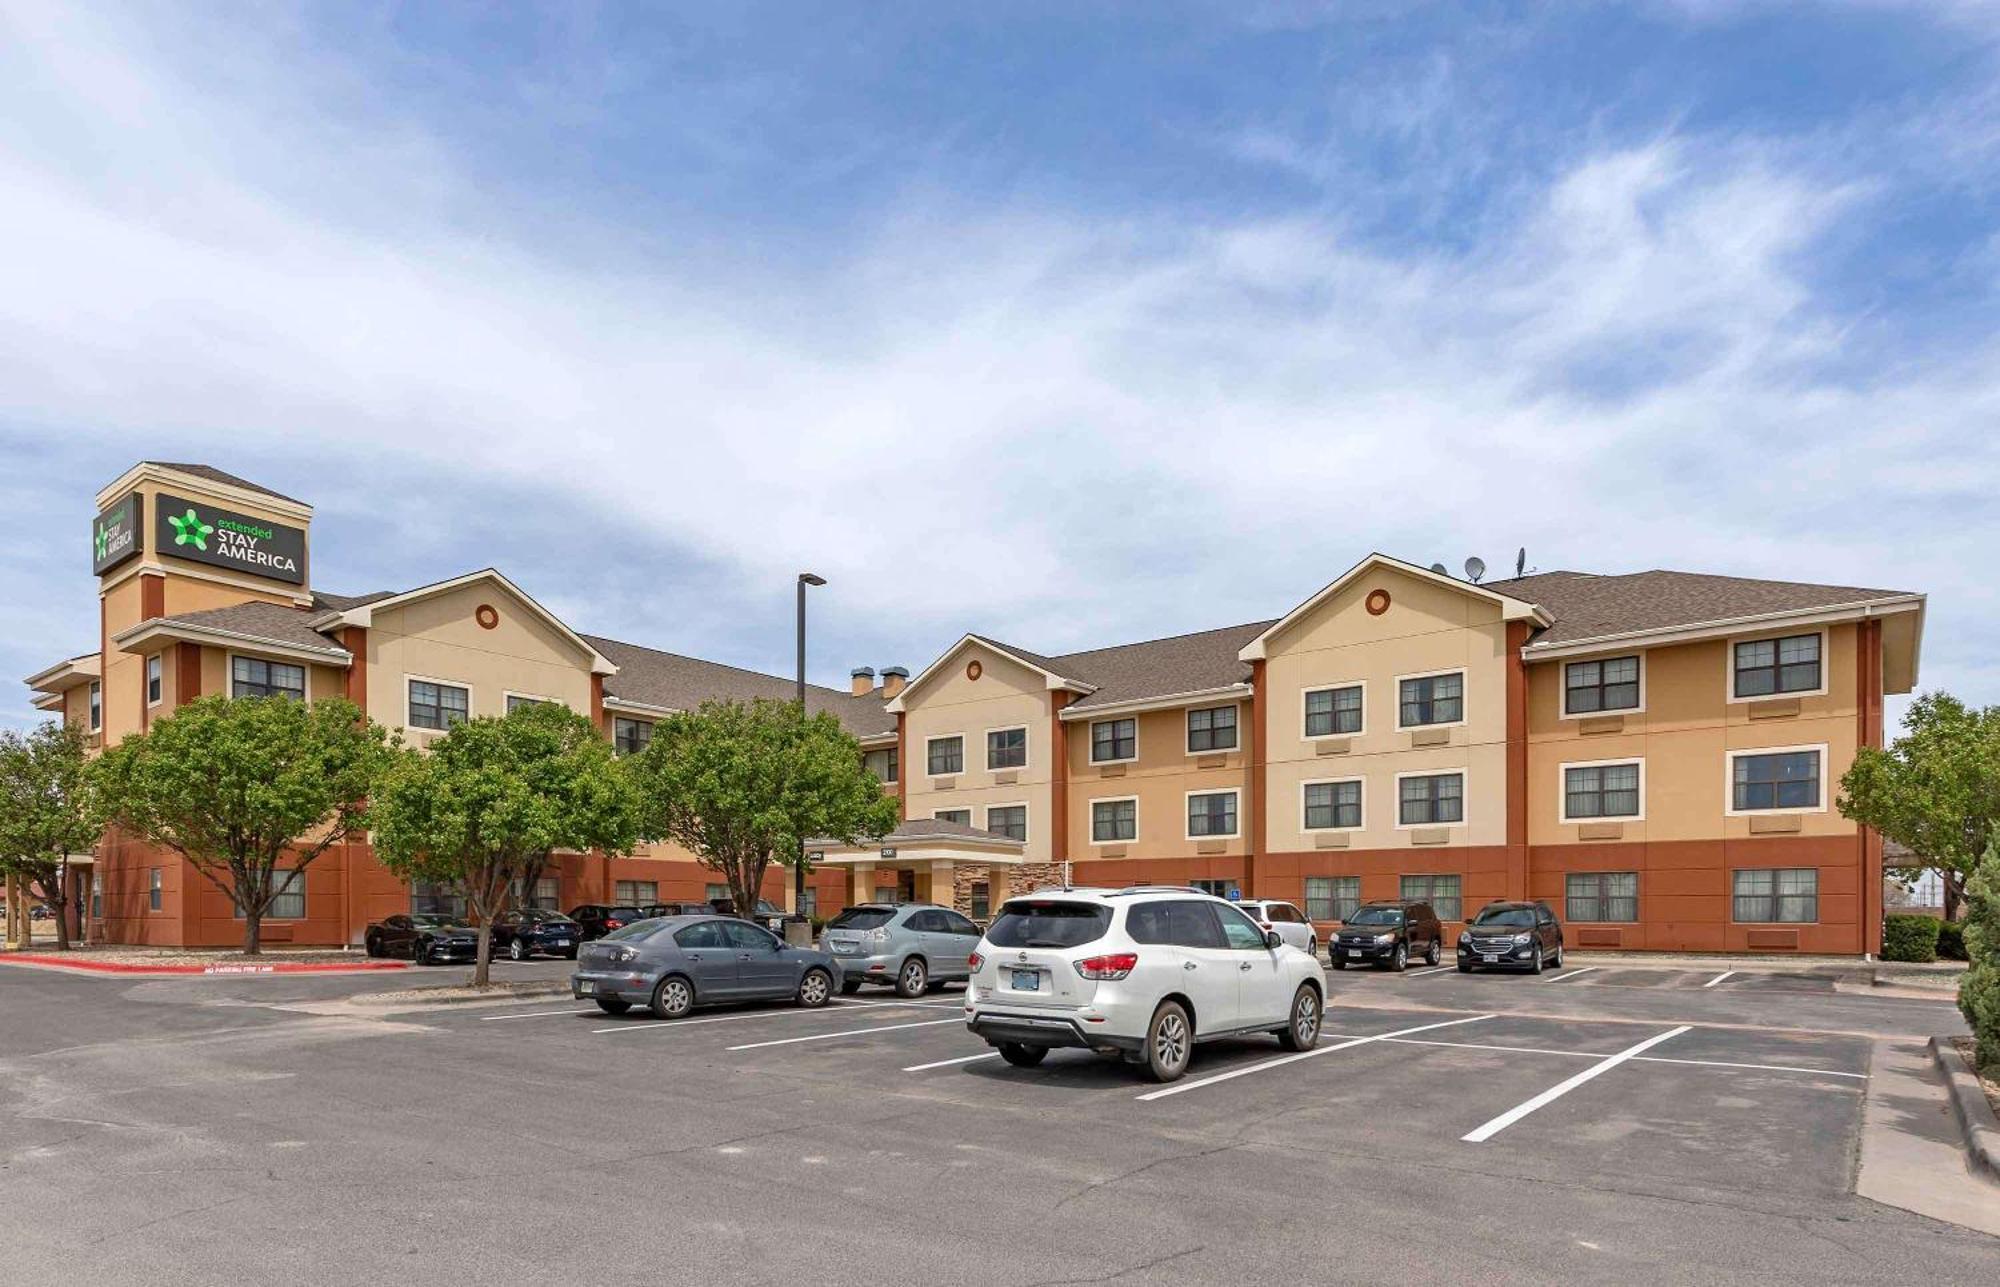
{"x": 1439, "y": 568}
{"x": 1475, "y": 567}
{"x": 1521, "y": 562}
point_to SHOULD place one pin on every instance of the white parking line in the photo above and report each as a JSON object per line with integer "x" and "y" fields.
{"x": 849, "y": 1032}
{"x": 533, "y": 1014}
{"x": 640, "y": 1025}
{"x": 1719, "y": 978}
{"x": 1637, "y": 1059}
{"x": 1571, "y": 974}
{"x": 1557, "y": 1091}
{"x": 946, "y": 1063}
{"x": 1281, "y": 1060}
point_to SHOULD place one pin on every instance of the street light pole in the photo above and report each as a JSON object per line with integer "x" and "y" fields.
{"x": 799, "y": 858}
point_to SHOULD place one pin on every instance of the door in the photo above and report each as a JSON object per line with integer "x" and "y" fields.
{"x": 1261, "y": 995}
{"x": 1208, "y": 966}
{"x": 959, "y": 938}
{"x": 906, "y": 886}
{"x": 709, "y": 960}
{"x": 398, "y": 933}
{"x": 762, "y": 968}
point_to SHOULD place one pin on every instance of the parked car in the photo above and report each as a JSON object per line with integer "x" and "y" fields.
{"x": 1387, "y": 935}
{"x": 774, "y": 918}
{"x": 1286, "y": 918}
{"x": 522, "y": 934}
{"x": 1141, "y": 973}
{"x": 648, "y": 910}
{"x": 427, "y": 938}
{"x": 1519, "y": 936}
{"x": 912, "y": 947}
{"x": 598, "y": 919}
{"x": 675, "y": 963}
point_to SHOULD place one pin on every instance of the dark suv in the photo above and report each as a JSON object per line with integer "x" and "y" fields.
{"x": 596, "y": 920}
{"x": 1387, "y": 935}
{"x": 1518, "y": 936}
{"x": 522, "y": 934}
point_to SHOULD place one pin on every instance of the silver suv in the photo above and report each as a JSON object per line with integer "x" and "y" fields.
{"x": 911, "y": 946}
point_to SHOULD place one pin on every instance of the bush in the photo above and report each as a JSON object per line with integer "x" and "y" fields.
{"x": 1910, "y": 938}
{"x": 1951, "y": 941}
{"x": 1979, "y": 993}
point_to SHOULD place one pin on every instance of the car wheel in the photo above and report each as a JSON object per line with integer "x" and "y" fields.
{"x": 1465, "y": 967}
{"x": 848, "y": 987}
{"x": 913, "y": 978}
{"x": 673, "y": 998}
{"x": 1335, "y": 961}
{"x": 1400, "y": 960}
{"x": 1536, "y": 968}
{"x": 1559, "y": 956}
{"x": 611, "y": 1005}
{"x": 571, "y": 954}
{"x": 1023, "y": 1056}
{"x": 1434, "y": 953}
{"x": 517, "y": 950}
{"x": 374, "y": 946}
{"x": 815, "y": 989}
{"x": 1302, "y": 1033}
{"x": 1169, "y": 1042}
{"x": 1312, "y": 947}
{"x": 421, "y": 953}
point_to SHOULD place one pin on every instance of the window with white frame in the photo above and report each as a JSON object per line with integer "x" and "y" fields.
{"x": 1007, "y": 748}
{"x": 1430, "y": 799}
{"x": 255, "y": 677}
{"x": 1775, "y": 895}
{"x": 1332, "y": 806}
{"x": 1211, "y": 813}
{"x": 881, "y": 762}
{"x": 288, "y": 896}
{"x": 1765, "y": 781}
{"x": 945, "y": 756}
{"x": 1010, "y": 820}
{"x": 1113, "y": 740}
{"x": 436, "y": 705}
{"x": 1600, "y": 791}
{"x": 1114, "y": 820}
{"x": 1773, "y": 667}
{"x": 1441, "y": 892}
{"x": 954, "y": 815}
{"x": 437, "y": 899}
{"x": 515, "y": 701}
{"x": 1332, "y": 898}
{"x": 1334, "y": 712}
{"x": 545, "y": 895}
{"x": 1591, "y": 687}
{"x": 1431, "y": 699}
{"x": 1607, "y": 896}
{"x": 156, "y": 886}
{"x": 716, "y": 893}
{"x": 155, "y": 679}
{"x": 809, "y": 905}
{"x": 631, "y": 736}
{"x": 96, "y": 706}
{"x": 635, "y": 891}
{"x": 1212, "y": 728}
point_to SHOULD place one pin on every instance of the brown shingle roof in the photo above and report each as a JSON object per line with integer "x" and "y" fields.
{"x": 655, "y": 678}
{"x": 1586, "y": 605}
{"x": 214, "y": 475}
{"x": 269, "y": 621}
{"x": 1188, "y": 663}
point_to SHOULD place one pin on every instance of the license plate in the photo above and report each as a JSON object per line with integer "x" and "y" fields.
{"x": 562, "y": 942}
{"x": 1490, "y": 958}
{"x": 843, "y": 949}
{"x": 1354, "y": 951}
{"x": 586, "y": 987}
{"x": 1027, "y": 980}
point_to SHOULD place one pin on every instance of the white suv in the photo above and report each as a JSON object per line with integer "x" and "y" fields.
{"x": 1142, "y": 973}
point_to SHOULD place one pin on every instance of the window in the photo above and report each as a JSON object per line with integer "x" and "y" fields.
{"x": 946, "y": 755}
{"x": 717, "y": 893}
{"x": 516, "y": 701}
{"x": 745, "y": 937}
{"x": 981, "y": 899}
{"x": 1177, "y": 923}
{"x": 701, "y": 934}
{"x": 1239, "y": 932}
{"x": 1007, "y": 748}
{"x": 1441, "y": 892}
{"x": 885, "y": 894}
{"x": 635, "y": 891}
{"x": 288, "y": 902}
{"x": 1332, "y": 805}
{"x": 809, "y": 908}
{"x": 1114, "y": 820}
{"x": 953, "y": 815}
{"x": 155, "y": 888}
{"x": 1786, "y": 895}
{"x": 96, "y": 706}
{"x": 96, "y": 896}
{"x": 1114, "y": 740}
{"x": 1008, "y": 820}
{"x": 1212, "y": 813}
{"x": 1602, "y": 896}
{"x": 1332, "y": 898}
{"x": 1212, "y": 729}
{"x": 631, "y": 736}
{"x": 1431, "y": 699}
{"x": 435, "y": 705}
{"x": 1428, "y": 799}
{"x": 1592, "y": 686}
{"x": 1333, "y": 712}
{"x": 1218, "y": 888}
{"x": 1766, "y": 667}
{"x": 1762, "y": 781}
{"x": 545, "y": 896}
{"x": 154, "y": 671}
{"x": 436, "y": 900}
{"x": 255, "y": 677}
{"x": 881, "y": 763}
{"x": 1600, "y": 791}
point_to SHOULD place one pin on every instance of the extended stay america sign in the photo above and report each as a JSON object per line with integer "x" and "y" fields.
{"x": 198, "y": 531}
{"x": 114, "y": 535}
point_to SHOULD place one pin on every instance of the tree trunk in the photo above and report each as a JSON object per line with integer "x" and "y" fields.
{"x": 59, "y": 903}
{"x": 1954, "y": 893}
{"x": 483, "y": 959}
{"x": 744, "y": 885}
{"x": 253, "y": 931}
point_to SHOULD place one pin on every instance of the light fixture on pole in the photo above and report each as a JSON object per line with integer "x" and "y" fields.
{"x": 799, "y": 863}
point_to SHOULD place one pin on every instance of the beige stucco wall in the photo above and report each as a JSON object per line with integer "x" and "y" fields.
{"x": 1005, "y": 695}
{"x": 437, "y": 638}
{"x": 1426, "y": 628}
{"x": 1159, "y": 780}
{"x": 1683, "y": 734}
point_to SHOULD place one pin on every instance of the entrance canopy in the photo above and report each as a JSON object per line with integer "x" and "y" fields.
{"x": 930, "y": 848}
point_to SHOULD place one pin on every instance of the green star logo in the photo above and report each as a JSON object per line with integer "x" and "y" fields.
{"x": 190, "y": 530}
{"x": 103, "y": 539}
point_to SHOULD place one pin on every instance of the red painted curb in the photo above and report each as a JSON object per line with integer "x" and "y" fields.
{"x": 234, "y": 967}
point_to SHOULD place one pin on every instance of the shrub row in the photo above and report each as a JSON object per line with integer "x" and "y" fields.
{"x": 1910, "y": 938}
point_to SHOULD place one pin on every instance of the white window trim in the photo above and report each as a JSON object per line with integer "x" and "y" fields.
{"x": 1563, "y": 676}
{"x": 229, "y": 670}
{"x": 93, "y": 705}
{"x": 1187, "y": 797}
{"x": 1638, "y": 897}
{"x": 1090, "y": 749}
{"x": 1729, "y": 758}
{"x": 507, "y": 694}
{"x": 1027, "y": 815}
{"x": 1562, "y": 790}
{"x": 1186, "y": 732}
{"x": 1729, "y": 665}
{"x": 160, "y": 659}
{"x": 1304, "y": 693}
{"x": 1309, "y": 782}
{"x": 1465, "y": 796}
{"x": 1811, "y": 867}
{"x": 471, "y": 701}
{"x": 943, "y": 737}
{"x": 1396, "y": 692}
{"x": 937, "y": 815}
{"x": 1027, "y": 748}
{"x": 1090, "y": 818}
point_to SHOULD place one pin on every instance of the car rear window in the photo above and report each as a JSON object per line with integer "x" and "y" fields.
{"x": 638, "y": 929}
{"x": 1048, "y": 924}
{"x": 1505, "y": 918}
{"x": 862, "y": 918}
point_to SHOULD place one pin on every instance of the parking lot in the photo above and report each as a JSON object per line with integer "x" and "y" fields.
{"x": 1611, "y": 1122}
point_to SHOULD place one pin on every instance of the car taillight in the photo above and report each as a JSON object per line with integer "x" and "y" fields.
{"x": 974, "y": 961}
{"x": 614, "y": 925}
{"x": 1115, "y": 966}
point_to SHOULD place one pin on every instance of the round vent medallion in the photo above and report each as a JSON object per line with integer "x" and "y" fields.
{"x": 1378, "y": 602}
{"x": 486, "y": 615}
{"x": 973, "y": 669}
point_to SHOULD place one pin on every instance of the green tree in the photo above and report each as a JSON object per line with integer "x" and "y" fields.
{"x": 1935, "y": 789}
{"x": 244, "y": 788}
{"x": 493, "y": 797}
{"x": 1979, "y": 991}
{"x": 49, "y": 809}
{"x": 742, "y": 785}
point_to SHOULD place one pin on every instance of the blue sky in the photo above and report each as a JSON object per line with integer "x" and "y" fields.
{"x": 1068, "y": 323}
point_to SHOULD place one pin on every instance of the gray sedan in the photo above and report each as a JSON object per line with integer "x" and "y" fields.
{"x": 672, "y": 964}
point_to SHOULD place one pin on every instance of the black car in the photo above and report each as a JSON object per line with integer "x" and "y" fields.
{"x": 1511, "y": 936}
{"x": 522, "y": 934}
{"x": 1387, "y": 935}
{"x": 425, "y": 937}
{"x": 598, "y": 919}
{"x": 651, "y": 910}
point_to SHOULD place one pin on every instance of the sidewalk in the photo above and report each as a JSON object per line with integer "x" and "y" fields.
{"x": 130, "y": 961}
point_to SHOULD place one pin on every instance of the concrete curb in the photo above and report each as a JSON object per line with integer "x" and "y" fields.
{"x": 1970, "y": 1106}
{"x": 520, "y": 992}
{"x": 188, "y": 968}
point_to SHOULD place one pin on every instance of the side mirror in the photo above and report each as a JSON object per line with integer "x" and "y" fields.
{"x": 1273, "y": 940}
